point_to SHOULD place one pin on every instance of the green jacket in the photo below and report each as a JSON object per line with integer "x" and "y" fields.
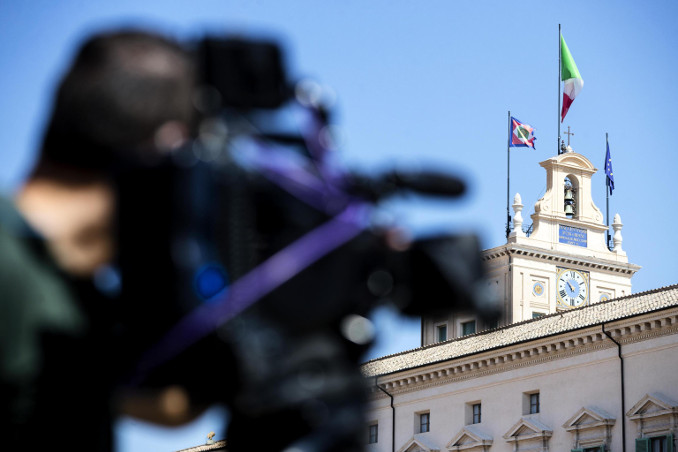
{"x": 47, "y": 355}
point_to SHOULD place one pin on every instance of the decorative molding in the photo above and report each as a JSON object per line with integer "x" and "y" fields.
{"x": 483, "y": 367}
{"x": 540, "y": 254}
{"x": 571, "y": 160}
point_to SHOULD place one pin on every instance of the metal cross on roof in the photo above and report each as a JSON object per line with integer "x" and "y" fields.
{"x": 568, "y": 133}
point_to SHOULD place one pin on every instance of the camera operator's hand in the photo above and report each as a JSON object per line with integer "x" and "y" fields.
{"x": 170, "y": 406}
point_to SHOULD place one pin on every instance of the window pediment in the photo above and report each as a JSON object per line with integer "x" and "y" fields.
{"x": 419, "y": 443}
{"x": 654, "y": 415}
{"x": 526, "y": 429}
{"x": 590, "y": 427}
{"x": 652, "y": 406}
{"x": 588, "y": 418}
{"x": 469, "y": 438}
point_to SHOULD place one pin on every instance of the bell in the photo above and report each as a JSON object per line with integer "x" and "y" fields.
{"x": 569, "y": 196}
{"x": 569, "y": 211}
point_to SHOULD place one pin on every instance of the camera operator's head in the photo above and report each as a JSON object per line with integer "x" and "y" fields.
{"x": 126, "y": 97}
{"x": 127, "y": 94}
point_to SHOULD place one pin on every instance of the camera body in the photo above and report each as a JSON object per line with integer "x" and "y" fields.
{"x": 249, "y": 226}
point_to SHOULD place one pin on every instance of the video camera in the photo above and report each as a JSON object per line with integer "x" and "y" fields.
{"x": 249, "y": 262}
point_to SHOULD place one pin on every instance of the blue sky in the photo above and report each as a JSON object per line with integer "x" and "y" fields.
{"x": 421, "y": 84}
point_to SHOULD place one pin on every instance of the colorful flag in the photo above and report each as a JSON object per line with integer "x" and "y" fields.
{"x": 522, "y": 135}
{"x": 608, "y": 169}
{"x": 570, "y": 75}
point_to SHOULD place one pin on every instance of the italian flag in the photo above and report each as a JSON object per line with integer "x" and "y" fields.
{"x": 570, "y": 75}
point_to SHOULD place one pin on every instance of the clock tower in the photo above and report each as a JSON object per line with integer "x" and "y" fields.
{"x": 561, "y": 262}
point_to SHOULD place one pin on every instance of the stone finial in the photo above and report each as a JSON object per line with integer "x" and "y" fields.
{"x": 517, "y": 217}
{"x": 617, "y": 238}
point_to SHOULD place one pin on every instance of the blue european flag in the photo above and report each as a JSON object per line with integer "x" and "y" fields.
{"x": 608, "y": 169}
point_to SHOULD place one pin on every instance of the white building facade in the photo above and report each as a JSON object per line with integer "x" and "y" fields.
{"x": 576, "y": 363}
{"x": 598, "y": 378}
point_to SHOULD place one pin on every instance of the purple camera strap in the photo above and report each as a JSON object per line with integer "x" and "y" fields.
{"x": 295, "y": 177}
{"x": 310, "y": 180}
{"x": 322, "y": 194}
{"x": 259, "y": 282}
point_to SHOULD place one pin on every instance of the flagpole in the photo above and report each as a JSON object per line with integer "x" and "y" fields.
{"x": 607, "y": 195}
{"x": 508, "y": 176}
{"x": 559, "y": 76}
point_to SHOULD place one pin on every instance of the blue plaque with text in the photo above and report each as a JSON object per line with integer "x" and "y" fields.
{"x": 572, "y": 236}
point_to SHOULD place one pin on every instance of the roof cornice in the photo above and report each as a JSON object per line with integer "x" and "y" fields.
{"x": 532, "y": 352}
{"x": 513, "y": 249}
{"x": 634, "y": 317}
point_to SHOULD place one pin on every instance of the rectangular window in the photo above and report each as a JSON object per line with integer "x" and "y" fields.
{"x": 476, "y": 414}
{"x": 373, "y": 434}
{"x": 468, "y": 328}
{"x": 659, "y": 444}
{"x": 536, "y": 314}
{"x": 442, "y": 333}
{"x": 424, "y": 422}
{"x": 531, "y": 402}
{"x": 534, "y": 403}
{"x": 655, "y": 444}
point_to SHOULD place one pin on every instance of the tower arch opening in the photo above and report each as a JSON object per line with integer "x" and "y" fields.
{"x": 571, "y": 196}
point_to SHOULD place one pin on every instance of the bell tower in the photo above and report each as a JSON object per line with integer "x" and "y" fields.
{"x": 561, "y": 262}
{"x": 566, "y": 215}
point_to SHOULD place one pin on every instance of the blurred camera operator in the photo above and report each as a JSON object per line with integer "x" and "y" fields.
{"x": 126, "y": 97}
{"x": 280, "y": 342}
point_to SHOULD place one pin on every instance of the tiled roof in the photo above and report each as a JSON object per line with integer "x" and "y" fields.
{"x": 561, "y": 322}
{"x": 218, "y": 445}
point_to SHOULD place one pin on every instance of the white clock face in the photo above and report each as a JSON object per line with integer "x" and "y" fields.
{"x": 573, "y": 288}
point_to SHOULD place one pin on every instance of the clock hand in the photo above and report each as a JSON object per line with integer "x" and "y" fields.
{"x": 571, "y": 287}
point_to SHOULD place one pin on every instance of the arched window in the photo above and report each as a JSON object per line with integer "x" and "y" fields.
{"x": 570, "y": 195}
